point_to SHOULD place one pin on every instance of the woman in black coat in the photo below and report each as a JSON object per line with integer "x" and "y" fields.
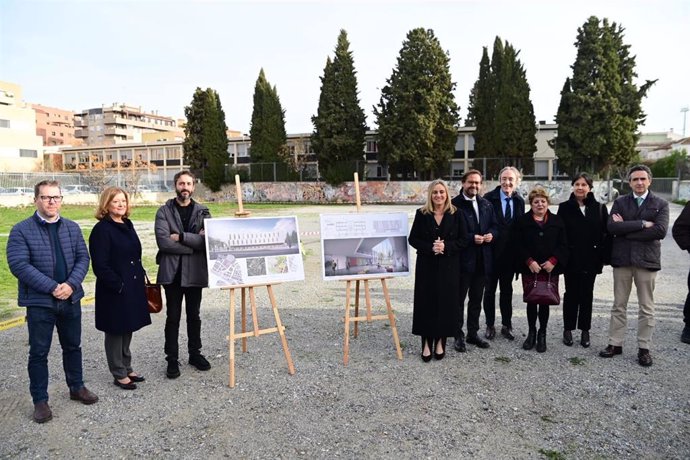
{"x": 541, "y": 248}
{"x": 438, "y": 233}
{"x": 585, "y": 225}
{"x": 121, "y": 305}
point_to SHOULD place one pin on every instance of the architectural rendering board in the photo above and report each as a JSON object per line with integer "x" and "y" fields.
{"x": 252, "y": 251}
{"x": 364, "y": 245}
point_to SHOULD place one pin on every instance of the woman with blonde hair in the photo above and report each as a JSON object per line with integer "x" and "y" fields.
{"x": 438, "y": 234}
{"x": 542, "y": 249}
{"x": 121, "y": 305}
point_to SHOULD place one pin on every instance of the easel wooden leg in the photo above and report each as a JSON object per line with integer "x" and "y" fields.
{"x": 244, "y": 319}
{"x": 255, "y": 317}
{"x": 231, "y": 340}
{"x": 367, "y": 297}
{"x": 281, "y": 330}
{"x": 346, "y": 347}
{"x": 356, "y": 307}
{"x": 391, "y": 319}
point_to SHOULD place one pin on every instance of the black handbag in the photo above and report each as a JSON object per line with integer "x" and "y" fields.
{"x": 541, "y": 289}
{"x": 154, "y": 296}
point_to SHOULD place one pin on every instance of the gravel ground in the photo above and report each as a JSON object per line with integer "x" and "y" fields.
{"x": 503, "y": 402}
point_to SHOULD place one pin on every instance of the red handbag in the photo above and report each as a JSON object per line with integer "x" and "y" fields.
{"x": 153, "y": 295}
{"x": 540, "y": 288}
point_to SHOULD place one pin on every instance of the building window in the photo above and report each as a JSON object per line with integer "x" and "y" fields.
{"x": 372, "y": 147}
{"x": 28, "y": 153}
{"x": 4, "y": 123}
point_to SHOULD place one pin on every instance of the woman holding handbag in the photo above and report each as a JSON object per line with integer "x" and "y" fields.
{"x": 585, "y": 225}
{"x": 542, "y": 253}
{"x": 121, "y": 305}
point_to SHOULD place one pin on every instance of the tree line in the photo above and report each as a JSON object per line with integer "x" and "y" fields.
{"x": 418, "y": 118}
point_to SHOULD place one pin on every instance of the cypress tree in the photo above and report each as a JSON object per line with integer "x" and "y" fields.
{"x": 267, "y": 130}
{"x": 417, "y": 115}
{"x": 339, "y": 125}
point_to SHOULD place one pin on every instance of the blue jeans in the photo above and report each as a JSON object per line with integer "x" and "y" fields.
{"x": 66, "y": 316}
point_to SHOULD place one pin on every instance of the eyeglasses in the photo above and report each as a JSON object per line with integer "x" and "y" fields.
{"x": 48, "y": 199}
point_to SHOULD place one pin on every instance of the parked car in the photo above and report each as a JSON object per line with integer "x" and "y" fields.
{"x": 77, "y": 188}
{"x": 18, "y": 191}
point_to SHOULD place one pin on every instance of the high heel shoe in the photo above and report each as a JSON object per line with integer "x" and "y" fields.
{"x": 442, "y": 341}
{"x": 426, "y": 341}
{"x": 125, "y": 386}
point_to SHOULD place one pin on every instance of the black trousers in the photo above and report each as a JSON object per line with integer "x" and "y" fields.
{"x": 472, "y": 286}
{"x": 686, "y": 310}
{"x": 504, "y": 281}
{"x": 174, "y": 294}
{"x": 542, "y": 311}
{"x": 577, "y": 301}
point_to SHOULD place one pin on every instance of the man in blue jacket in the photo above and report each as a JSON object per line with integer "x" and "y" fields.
{"x": 48, "y": 255}
{"x": 476, "y": 262}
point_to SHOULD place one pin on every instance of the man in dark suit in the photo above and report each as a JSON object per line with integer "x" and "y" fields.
{"x": 681, "y": 233}
{"x": 477, "y": 261}
{"x": 638, "y": 222}
{"x": 509, "y": 206}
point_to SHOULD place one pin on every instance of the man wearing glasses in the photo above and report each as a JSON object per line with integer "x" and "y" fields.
{"x": 48, "y": 255}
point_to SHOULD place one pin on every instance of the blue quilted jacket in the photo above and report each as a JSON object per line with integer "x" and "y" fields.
{"x": 31, "y": 258}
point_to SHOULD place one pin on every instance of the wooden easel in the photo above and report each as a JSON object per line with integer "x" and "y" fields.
{"x": 256, "y": 331}
{"x": 390, "y": 316}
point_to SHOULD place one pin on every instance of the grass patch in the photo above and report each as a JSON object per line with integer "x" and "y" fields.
{"x": 502, "y": 359}
{"x": 552, "y": 454}
{"x": 577, "y": 361}
{"x": 547, "y": 418}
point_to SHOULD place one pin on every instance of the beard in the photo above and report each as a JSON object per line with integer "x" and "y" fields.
{"x": 181, "y": 196}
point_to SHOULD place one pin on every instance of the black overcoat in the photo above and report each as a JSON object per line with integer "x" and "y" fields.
{"x": 121, "y": 305}
{"x": 437, "y": 277}
{"x": 541, "y": 242}
{"x": 487, "y": 224}
{"x": 586, "y": 234}
{"x": 503, "y": 250}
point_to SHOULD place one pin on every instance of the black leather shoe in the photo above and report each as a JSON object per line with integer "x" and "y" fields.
{"x": 528, "y": 344}
{"x": 427, "y": 342}
{"x": 125, "y": 386}
{"x": 83, "y": 395}
{"x": 610, "y": 351}
{"x": 541, "y": 341}
{"x": 507, "y": 333}
{"x": 568, "y": 338}
{"x": 173, "y": 370}
{"x": 42, "y": 412}
{"x": 478, "y": 342}
{"x": 137, "y": 378}
{"x": 685, "y": 336}
{"x": 490, "y": 332}
{"x": 584, "y": 339}
{"x": 442, "y": 341}
{"x": 459, "y": 344}
{"x": 644, "y": 358}
{"x": 199, "y": 362}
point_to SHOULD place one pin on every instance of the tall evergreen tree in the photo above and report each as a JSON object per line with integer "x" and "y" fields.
{"x": 603, "y": 108}
{"x": 501, "y": 109}
{"x": 267, "y": 131}
{"x": 417, "y": 115}
{"x": 206, "y": 142}
{"x": 339, "y": 125}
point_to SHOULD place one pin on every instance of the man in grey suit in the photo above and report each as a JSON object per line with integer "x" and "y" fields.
{"x": 638, "y": 222}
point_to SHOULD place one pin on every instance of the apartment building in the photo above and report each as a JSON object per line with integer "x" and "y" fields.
{"x": 55, "y": 126}
{"x": 120, "y": 123}
{"x": 21, "y": 150}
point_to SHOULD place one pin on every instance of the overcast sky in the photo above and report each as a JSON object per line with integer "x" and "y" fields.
{"x": 83, "y": 54}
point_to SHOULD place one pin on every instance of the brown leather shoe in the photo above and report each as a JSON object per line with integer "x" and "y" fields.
{"x": 83, "y": 395}
{"x": 42, "y": 412}
{"x": 611, "y": 351}
{"x": 490, "y": 332}
{"x": 644, "y": 358}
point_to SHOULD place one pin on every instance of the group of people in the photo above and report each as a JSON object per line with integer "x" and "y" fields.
{"x": 467, "y": 248}
{"x": 48, "y": 255}
{"x": 471, "y": 245}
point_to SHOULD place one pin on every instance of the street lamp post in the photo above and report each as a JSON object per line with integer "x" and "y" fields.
{"x": 685, "y": 113}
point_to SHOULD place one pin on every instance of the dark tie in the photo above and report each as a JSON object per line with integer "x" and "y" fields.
{"x": 507, "y": 215}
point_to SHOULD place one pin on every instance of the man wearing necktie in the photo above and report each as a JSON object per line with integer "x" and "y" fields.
{"x": 476, "y": 262}
{"x": 638, "y": 222}
{"x": 508, "y": 206}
